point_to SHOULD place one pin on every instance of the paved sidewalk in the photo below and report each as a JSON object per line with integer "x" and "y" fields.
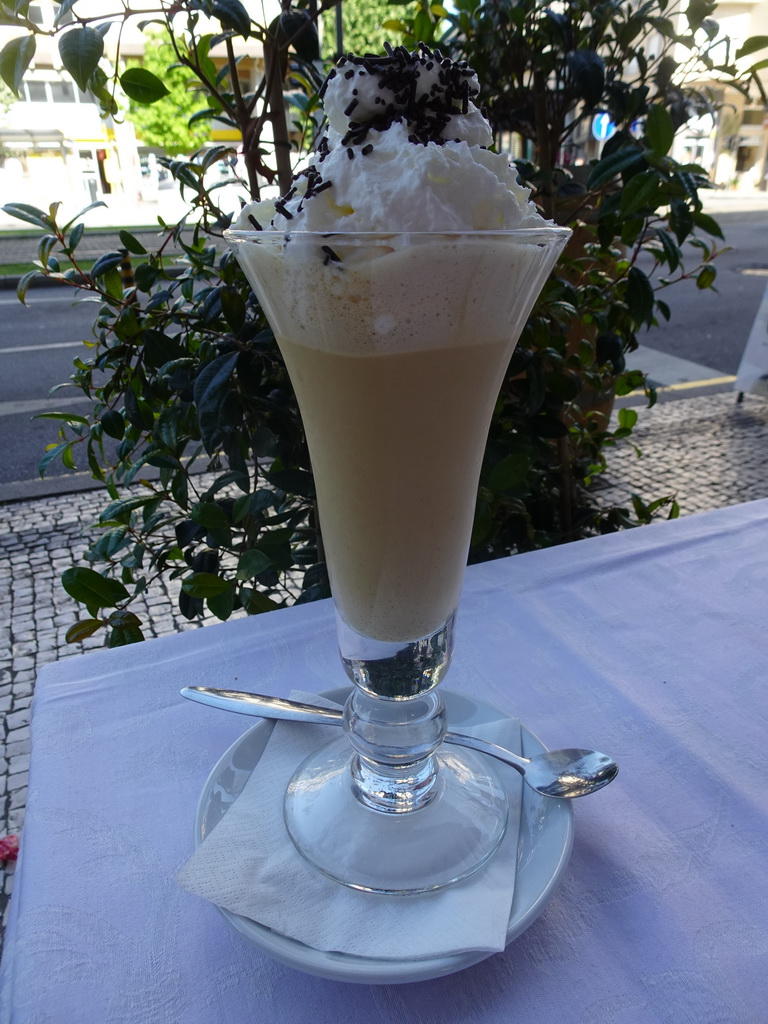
{"x": 708, "y": 451}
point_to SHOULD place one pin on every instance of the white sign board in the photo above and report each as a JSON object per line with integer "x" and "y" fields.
{"x": 753, "y": 369}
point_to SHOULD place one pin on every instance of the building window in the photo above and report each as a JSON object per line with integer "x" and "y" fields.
{"x": 35, "y": 14}
{"x": 36, "y": 92}
{"x": 62, "y": 92}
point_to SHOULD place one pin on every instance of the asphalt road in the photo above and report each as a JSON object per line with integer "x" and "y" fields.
{"x": 711, "y": 327}
{"x": 38, "y": 344}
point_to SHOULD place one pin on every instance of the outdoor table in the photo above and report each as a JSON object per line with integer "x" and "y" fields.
{"x": 650, "y": 644}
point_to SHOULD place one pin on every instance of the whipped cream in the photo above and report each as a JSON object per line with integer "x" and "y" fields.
{"x": 405, "y": 149}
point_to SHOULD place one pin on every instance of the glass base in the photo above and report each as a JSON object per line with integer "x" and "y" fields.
{"x": 450, "y": 836}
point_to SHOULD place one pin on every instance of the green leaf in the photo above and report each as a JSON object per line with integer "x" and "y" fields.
{"x": 627, "y": 418}
{"x": 211, "y": 391}
{"x": 639, "y": 295}
{"x": 80, "y": 50}
{"x": 204, "y": 585}
{"x": 256, "y": 603}
{"x": 53, "y": 452}
{"x": 105, "y": 263}
{"x": 29, "y": 214}
{"x": 68, "y": 417}
{"x": 622, "y": 160}
{"x": 132, "y": 244}
{"x": 109, "y": 544}
{"x": 222, "y": 605}
{"x": 121, "y": 637}
{"x": 138, "y": 411}
{"x": 641, "y": 191}
{"x": 210, "y": 515}
{"x": 680, "y": 219}
{"x": 113, "y": 283}
{"x": 142, "y": 86}
{"x": 232, "y": 15}
{"x": 752, "y": 45}
{"x": 24, "y": 282}
{"x": 160, "y": 348}
{"x": 708, "y": 224}
{"x": 92, "y": 589}
{"x": 124, "y": 619}
{"x": 112, "y": 423}
{"x": 587, "y": 69}
{"x": 249, "y": 504}
{"x": 423, "y": 26}
{"x": 629, "y": 381}
{"x": 82, "y": 630}
{"x": 671, "y": 251}
{"x": 706, "y": 276}
{"x": 233, "y": 308}
{"x": 252, "y": 563}
{"x": 697, "y": 11}
{"x": 146, "y": 277}
{"x": 292, "y": 481}
{"x": 659, "y": 129}
{"x": 15, "y": 58}
{"x": 120, "y": 511}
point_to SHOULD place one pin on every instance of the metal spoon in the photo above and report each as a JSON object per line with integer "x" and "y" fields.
{"x": 557, "y": 773}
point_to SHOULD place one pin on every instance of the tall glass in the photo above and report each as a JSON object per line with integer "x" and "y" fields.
{"x": 396, "y": 344}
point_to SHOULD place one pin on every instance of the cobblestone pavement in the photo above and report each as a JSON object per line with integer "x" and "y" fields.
{"x": 708, "y": 451}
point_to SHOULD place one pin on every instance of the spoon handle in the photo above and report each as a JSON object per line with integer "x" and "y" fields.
{"x": 295, "y": 711}
{"x": 263, "y": 706}
{"x": 462, "y": 739}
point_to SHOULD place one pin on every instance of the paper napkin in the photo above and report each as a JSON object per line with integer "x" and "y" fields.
{"x": 249, "y": 866}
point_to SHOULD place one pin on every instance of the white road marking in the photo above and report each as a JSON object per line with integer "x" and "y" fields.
{"x": 35, "y": 405}
{"x": 39, "y": 348}
{"x": 38, "y": 298}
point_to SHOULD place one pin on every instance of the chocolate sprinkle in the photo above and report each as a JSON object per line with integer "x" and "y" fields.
{"x": 398, "y": 72}
{"x": 330, "y": 255}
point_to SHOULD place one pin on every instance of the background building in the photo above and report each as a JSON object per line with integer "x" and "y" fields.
{"x": 54, "y": 143}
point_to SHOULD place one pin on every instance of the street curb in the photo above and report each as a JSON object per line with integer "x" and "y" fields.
{"x": 8, "y": 284}
{"x": 40, "y": 488}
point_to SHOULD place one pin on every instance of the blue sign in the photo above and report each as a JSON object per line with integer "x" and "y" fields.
{"x": 603, "y": 127}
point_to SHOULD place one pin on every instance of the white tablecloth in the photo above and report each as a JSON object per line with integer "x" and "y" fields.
{"x": 651, "y": 645}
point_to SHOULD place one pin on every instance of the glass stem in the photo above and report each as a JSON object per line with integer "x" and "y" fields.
{"x": 393, "y": 767}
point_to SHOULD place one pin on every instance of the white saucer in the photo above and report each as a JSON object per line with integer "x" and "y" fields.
{"x": 546, "y": 835}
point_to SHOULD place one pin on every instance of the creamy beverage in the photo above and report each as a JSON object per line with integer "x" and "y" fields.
{"x": 396, "y": 395}
{"x": 396, "y": 443}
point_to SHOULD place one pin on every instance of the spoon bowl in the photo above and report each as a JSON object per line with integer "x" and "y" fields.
{"x": 561, "y": 774}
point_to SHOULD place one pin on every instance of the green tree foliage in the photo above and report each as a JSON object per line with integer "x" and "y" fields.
{"x": 164, "y": 123}
{"x": 362, "y": 21}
